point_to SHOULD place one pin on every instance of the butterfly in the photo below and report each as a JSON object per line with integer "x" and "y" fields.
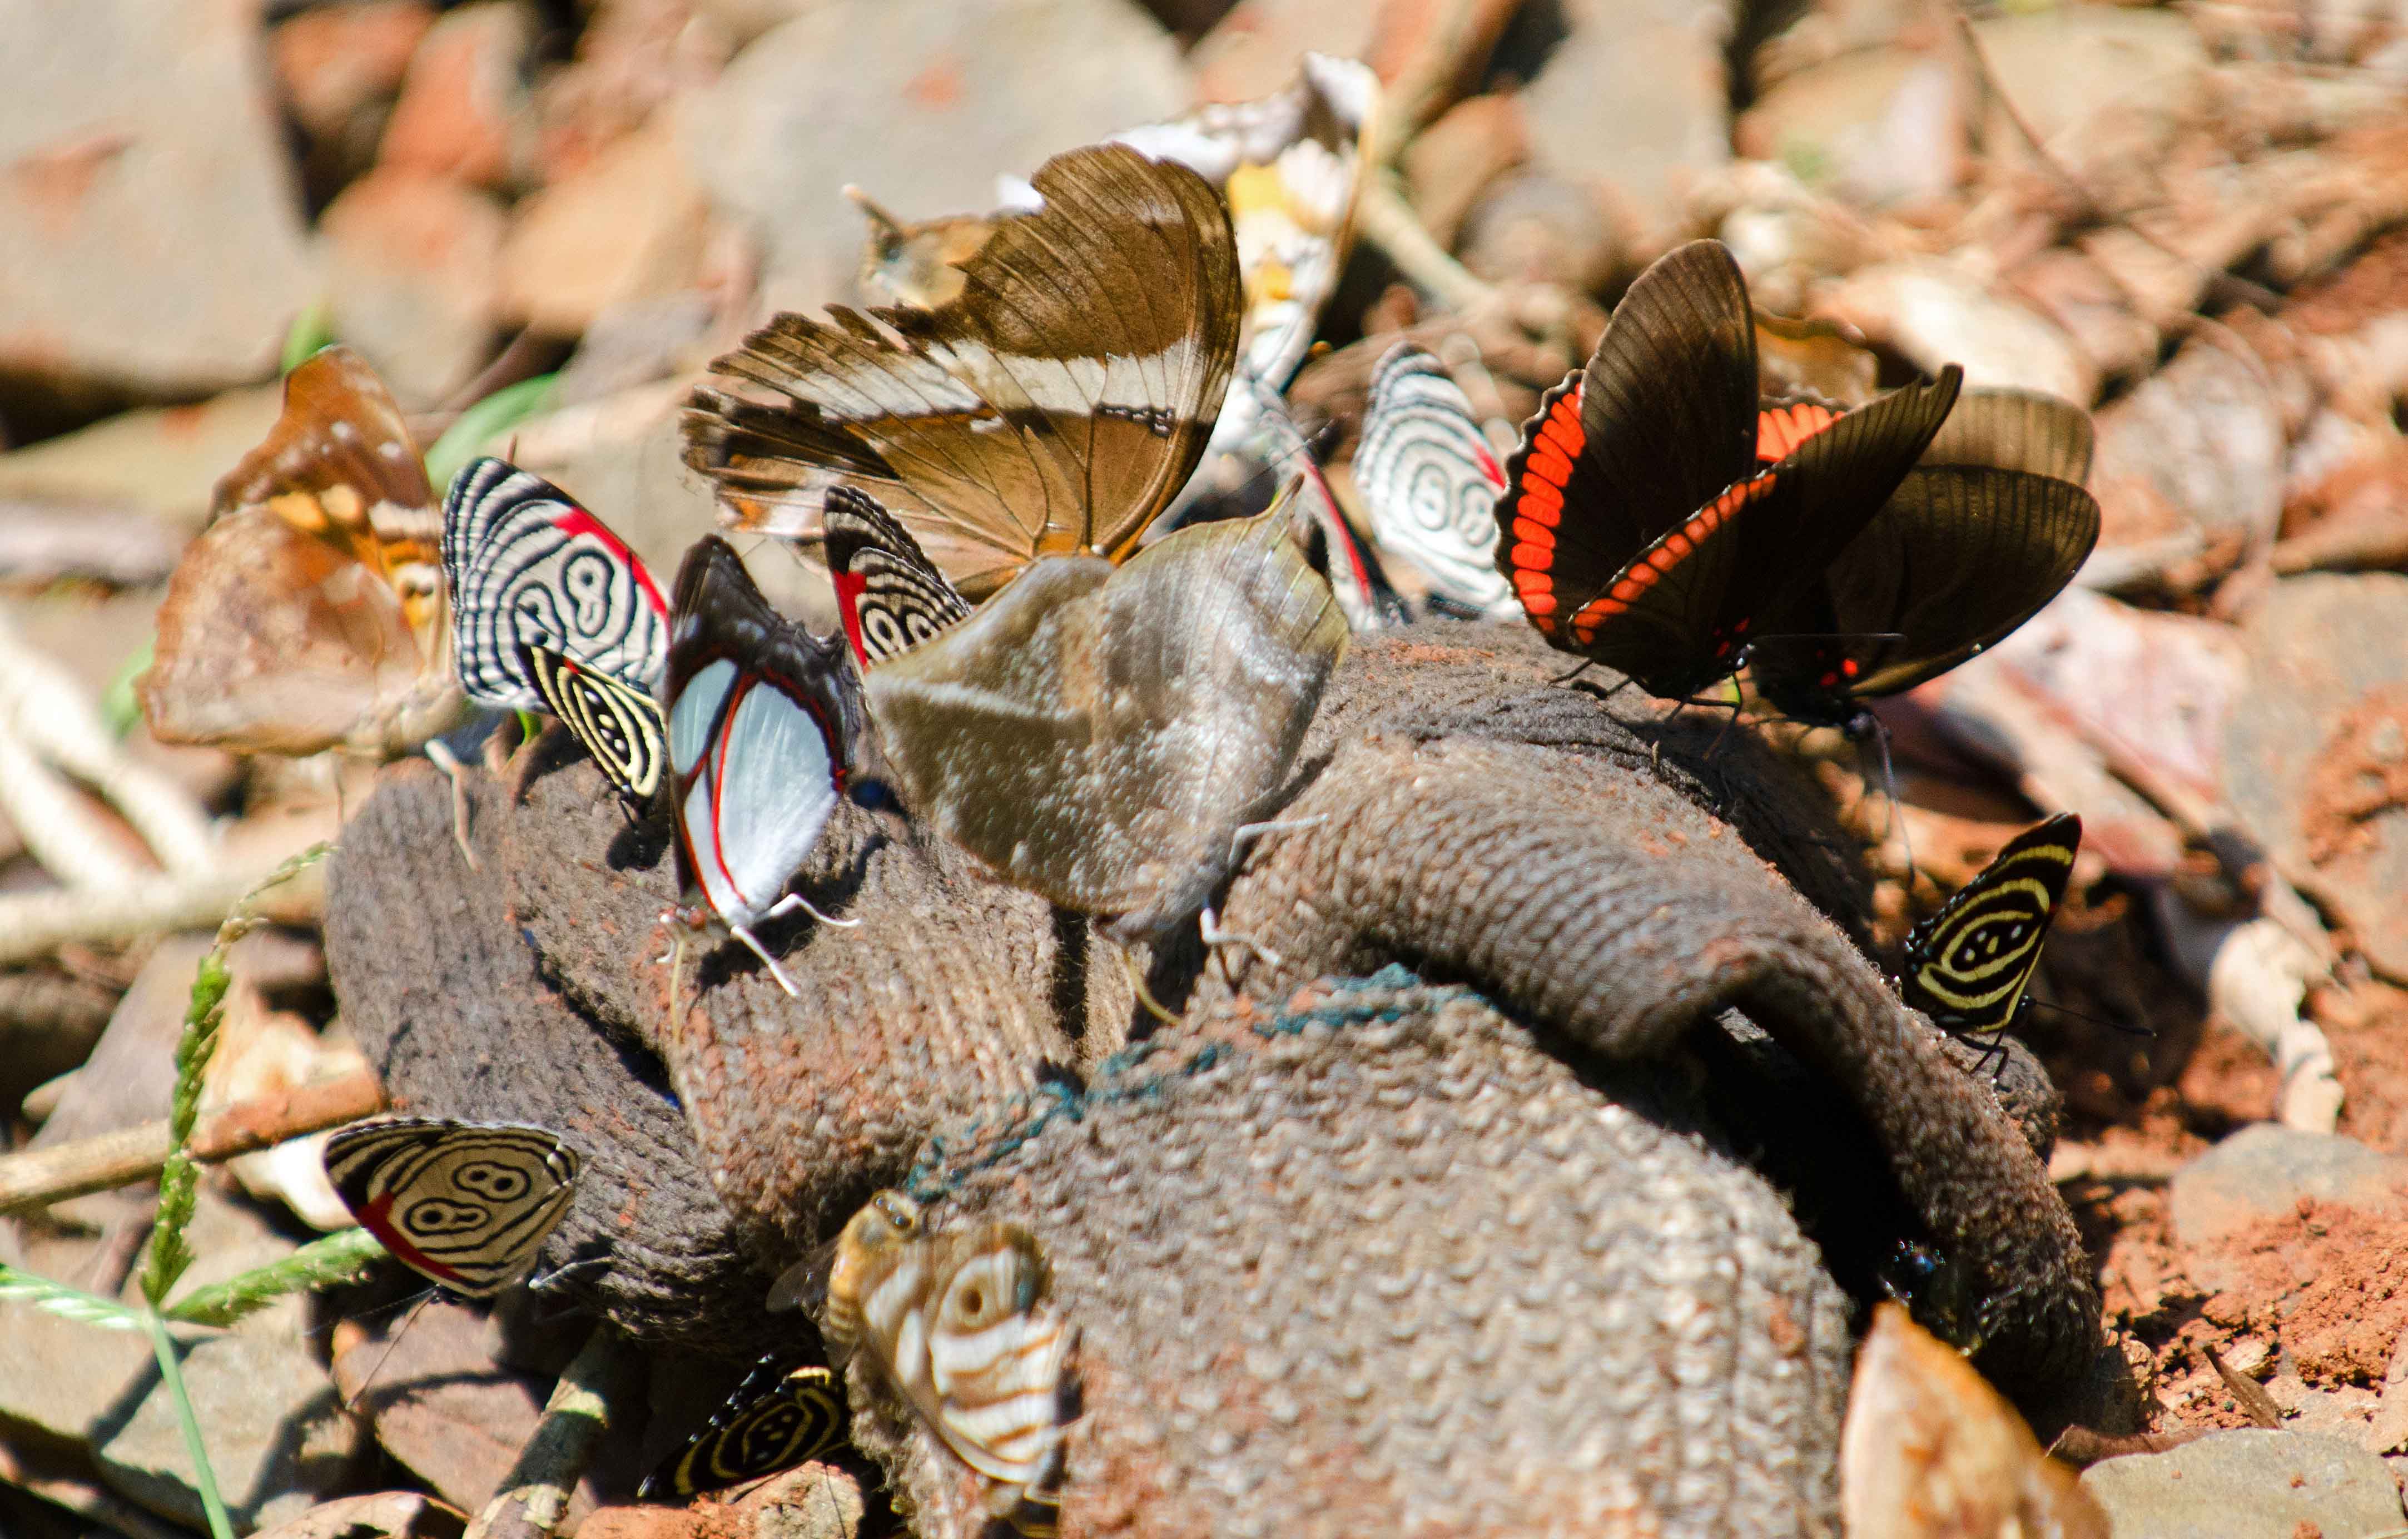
{"x": 1990, "y": 525}
{"x": 1968, "y": 965}
{"x": 1431, "y": 482}
{"x": 621, "y": 726}
{"x": 467, "y": 1205}
{"x": 1637, "y": 526}
{"x": 763, "y": 725}
{"x": 529, "y": 568}
{"x": 780, "y": 1417}
{"x": 889, "y": 595}
{"x": 312, "y": 613}
{"x": 1053, "y": 408}
{"x": 961, "y": 1324}
{"x": 1098, "y": 734}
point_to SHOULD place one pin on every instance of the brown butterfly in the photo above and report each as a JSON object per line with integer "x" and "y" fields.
{"x": 960, "y": 1323}
{"x": 311, "y": 614}
{"x": 1053, "y": 408}
{"x": 1098, "y": 735}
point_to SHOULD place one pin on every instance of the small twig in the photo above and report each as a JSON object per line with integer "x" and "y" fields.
{"x": 34, "y": 924}
{"x": 108, "y": 1160}
{"x": 1457, "y": 43}
{"x": 55, "y": 823}
{"x": 596, "y": 1385}
{"x": 1389, "y": 222}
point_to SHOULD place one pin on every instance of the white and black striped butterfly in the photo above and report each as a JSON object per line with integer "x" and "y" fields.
{"x": 890, "y": 595}
{"x": 961, "y": 1324}
{"x": 1967, "y": 966}
{"x": 1431, "y": 482}
{"x": 619, "y": 725}
{"x": 528, "y": 567}
{"x": 465, "y": 1205}
{"x": 763, "y": 719}
{"x": 780, "y": 1417}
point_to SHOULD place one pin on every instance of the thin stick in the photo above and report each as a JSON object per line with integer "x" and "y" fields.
{"x": 1389, "y": 222}
{"x": 533, "y": 1498}
{"x": 35, "y": 925}
{"x": 108, "y": 1160}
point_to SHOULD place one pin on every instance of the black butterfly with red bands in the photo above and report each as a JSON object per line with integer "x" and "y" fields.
{"x": 1637, "y": 526}
{"x": 1989, "y": 527}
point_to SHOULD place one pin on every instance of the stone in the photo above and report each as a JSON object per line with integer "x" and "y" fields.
{"x": 380, "y": 1515}
{"x": 464, "y": 110}
{"x": 332, "y": 61}
{"x": 2254, "y": 1484}
{"x": 2204, "y": 437}
{"x": 629, "y": 225}
{"x": 414, "y": 279}
{"x": 1936, "y": 314}
{"x": 2313, "y": 755}
{"x": 1253, "y": 48}
{"x": 131, "y": 1075}
{"x": 164, "y": 460}
{"x": 440, "y": 1404}
{"x": 923, "y": 103}
{"x": 152, "y": 241}
{"x": 1453, "y": 161}
{"x": 1633, "y": 100}
{"x": 2264, "y": 1170}
{"x": 59, "y": 1378}
{"x": 278, "y": 1441}
{"x": 1535, "y": 227}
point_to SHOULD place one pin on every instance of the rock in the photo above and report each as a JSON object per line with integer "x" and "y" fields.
{"x": 59, "y": 1377}
{"x": 1453, "y": 161}
{"x": 277, "y": 1442}
{"x": 464, "y": 110}
{"x": 920, "y": 102}
{"x": 131, "y": 1075}
{"x": 439, "y": 1402}
{"x": 2314, "y": 758}
{"x": 2081, "y": 297}
{"x": 1937, "y": 313}
{"x": 1253, "y": 48}
{"x": 382, "y": 1514}
{"x": 335, "y": 60}
{"x": 2247, "y": 1484}
{"x": 2203, "y": 437}
{"x": 2264, "y": 1170}
{"x": 162, "y": 459}
{"x": 628, "y": 227}
{"x": 739, "y": 21}
{"x": 814, "y": 1502}
{"x": 1634, "y": 98}
{"x": 1535, "y": 227}
{"x": 148, "y": 227}
{"x": 414, "y": 280}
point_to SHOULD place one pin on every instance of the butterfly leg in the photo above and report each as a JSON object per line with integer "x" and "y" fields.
{"x": 745, "y": 935}
{"x": 1586, "y": 663}
{"x": 1246, "y": 833}
{"x": 446, "y": 761}
{"x": 1209, "y": 924}
{"x": 794, "y": 901}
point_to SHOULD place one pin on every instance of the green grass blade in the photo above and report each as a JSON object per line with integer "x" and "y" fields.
{"x": 71, "y": 1304}
{"x": 343, "y": 1256}
{"x": 497, "y": 415}
{"x": 312, "y": 329}
{"x": 205, "y": 1479}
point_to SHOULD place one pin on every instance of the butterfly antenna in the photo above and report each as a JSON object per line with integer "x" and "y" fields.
{"x": 2097, "y": 1020}
{"x": 745, "y": 935}
{"x": 794, "y": 901}
{"x": 390, "y": 1343}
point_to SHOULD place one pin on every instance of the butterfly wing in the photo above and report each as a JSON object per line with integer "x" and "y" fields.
{"x": 890, "y": 595}
{"x": 622, "y": 729}
{"x": 1054, "y": 406}
{"x": 762, "y": 727}
{"x": 779, "y": 1417}
{"x": 528, "y": 565}
{"x": 465, "y": 1205}
{"x": 1096, "y": 735}
{"x": 1967, "y": 966}
{"x": 1429, "y": 480}
{"x": 2025, "y": 430}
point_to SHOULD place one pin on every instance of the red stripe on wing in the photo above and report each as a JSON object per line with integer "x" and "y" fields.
{"x": 1780, "y": 429}
{"x": 1538, "y": 510}
{"x": 1676, "y": 546}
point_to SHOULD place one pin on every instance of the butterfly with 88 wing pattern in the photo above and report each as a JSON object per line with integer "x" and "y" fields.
{"x": 765, "y": 722}
{"x": 961, "y": 1324}
{"x": 782, "y": 1415}
{"x": 529, "y": 568}
{"x": 1431, "y": 482}
{"x": 620, "y": 726}
{"x": 1637, "y": 526}
{"x": 1054, "y": 406}
{"x": 467, "y": 1205}
{"x": 1990, "y": 525}
{"x": 1968, "y": 965}
{"x": 312, "y": 613}
{"x": 889, "y": 595}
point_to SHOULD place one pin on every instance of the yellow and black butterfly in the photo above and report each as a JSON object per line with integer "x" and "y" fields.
{"x": 1967, "y": 966}
{"x": 621, "y": 726}
{"x": 780, "y": 1417}
{"x": 961, "y": 1324}
{"x": 467, "y": 1205}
